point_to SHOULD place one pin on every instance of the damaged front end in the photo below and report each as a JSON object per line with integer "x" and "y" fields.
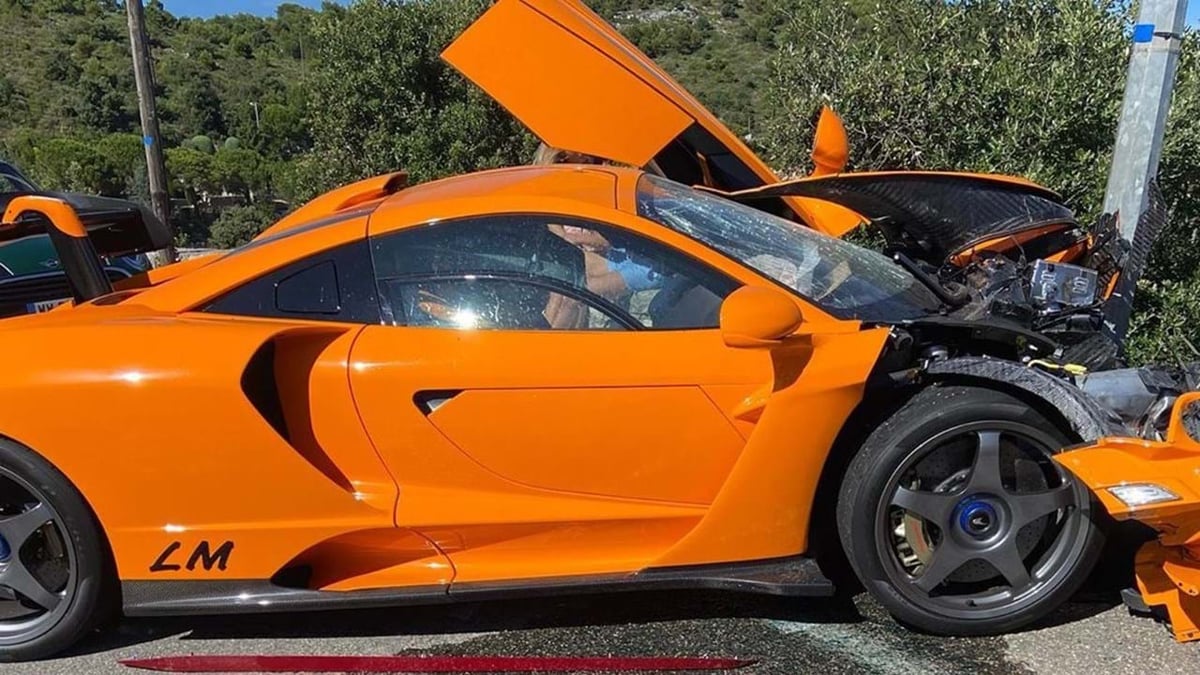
{"x": 1156, "y": 482}
{"x": 1001, "y": 251}
{"x": 1038, "y": 306}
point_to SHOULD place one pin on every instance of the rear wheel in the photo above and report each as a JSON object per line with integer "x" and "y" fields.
{"x": 53, "y": 583}
{"x": 957, "y": 520}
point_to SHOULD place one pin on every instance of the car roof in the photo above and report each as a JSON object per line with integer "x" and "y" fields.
{"x": 553, "y": 188}
{"x": 11, "y": 170}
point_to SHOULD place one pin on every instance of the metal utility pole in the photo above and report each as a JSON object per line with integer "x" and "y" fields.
{"x": 1152, "y": 64}
{"x": 143, "y": 73}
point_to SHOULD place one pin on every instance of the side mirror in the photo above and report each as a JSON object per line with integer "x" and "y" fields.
{"x": 831, "y": 146}
{"x": 754, "y": 316}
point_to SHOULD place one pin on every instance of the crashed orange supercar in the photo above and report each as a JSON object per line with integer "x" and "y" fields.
{"x": 569, "y": 378}
{"x": 527, "y": 380}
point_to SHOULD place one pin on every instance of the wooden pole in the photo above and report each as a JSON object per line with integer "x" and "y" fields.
{"x": 143, "y": 73}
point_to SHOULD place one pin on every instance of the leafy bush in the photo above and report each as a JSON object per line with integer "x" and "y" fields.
{"x": 381, "y": 99}
{"x": 238, "y": 225}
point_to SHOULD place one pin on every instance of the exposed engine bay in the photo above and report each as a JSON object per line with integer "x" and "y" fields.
{"x": 1022, "y": 280}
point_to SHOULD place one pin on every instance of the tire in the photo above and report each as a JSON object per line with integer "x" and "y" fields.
{"x": 949, "y": 546}
{"x": 48, "y": 532}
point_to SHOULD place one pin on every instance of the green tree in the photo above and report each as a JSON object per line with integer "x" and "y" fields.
{"x": 284, "y": 133}
{"x": 238, "y": 225}
{"x": 200, "y": 144}
{"x": 122, "y": 157}
{"x": 240, "y": 171}
{"x": 191, "y": 171}
{"x": 369, "y": 115}
{"x": 69, "y": 164}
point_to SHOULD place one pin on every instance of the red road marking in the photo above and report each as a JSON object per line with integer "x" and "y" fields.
{"x": 428, "y": 664}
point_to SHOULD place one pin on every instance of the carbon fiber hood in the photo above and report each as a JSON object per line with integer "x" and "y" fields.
{"x": 940, "y": 213}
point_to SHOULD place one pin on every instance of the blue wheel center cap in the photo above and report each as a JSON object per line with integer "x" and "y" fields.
{"x": 977, "y": 518}
{"x": 5, "y": 549}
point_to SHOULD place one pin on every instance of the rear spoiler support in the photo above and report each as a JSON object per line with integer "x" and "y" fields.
{"x": 76, "y": 252}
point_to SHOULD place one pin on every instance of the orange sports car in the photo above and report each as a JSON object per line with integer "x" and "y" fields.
{"x": 571, "y": 378}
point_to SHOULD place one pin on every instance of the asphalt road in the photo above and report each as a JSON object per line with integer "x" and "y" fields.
{"x": 1093, "y": 634}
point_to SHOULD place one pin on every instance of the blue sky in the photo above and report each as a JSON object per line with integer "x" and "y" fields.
{"x": 207, "y": 8}
{"x": 267, "y": 7}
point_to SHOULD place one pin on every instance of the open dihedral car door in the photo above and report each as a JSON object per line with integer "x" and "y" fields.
{"x": 579, "y": 85}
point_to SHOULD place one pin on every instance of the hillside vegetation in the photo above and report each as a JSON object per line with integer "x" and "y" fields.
{"x": 275, "y": 110}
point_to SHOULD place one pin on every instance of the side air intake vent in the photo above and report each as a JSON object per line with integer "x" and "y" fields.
{"x": 258, "y": 383}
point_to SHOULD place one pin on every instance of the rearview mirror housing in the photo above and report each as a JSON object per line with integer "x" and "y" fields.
{"x": 755, "y": 316}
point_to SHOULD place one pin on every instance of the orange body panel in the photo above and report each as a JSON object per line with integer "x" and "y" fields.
{"x": 595, "y": 91}
{"x": 344, "y": 198}
{"x": 175, "y": 453}
{"x": 625, "y": 503}
{"x": 683, "y": 448}
{"x": 763, "y": 510}
{"x": 157, "y": 275}
{"x": 1168, "y": 570}
{"x": 1014, "y": 241}
{"x": 568, "y": 76}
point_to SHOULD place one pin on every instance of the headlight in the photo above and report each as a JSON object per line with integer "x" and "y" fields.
{"x": 1134, "y": 495}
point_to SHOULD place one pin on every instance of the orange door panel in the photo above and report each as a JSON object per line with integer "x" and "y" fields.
{"x": 543, "y": 453}
{"x": 663, "y": 443}
{"x": 764, "y": 508}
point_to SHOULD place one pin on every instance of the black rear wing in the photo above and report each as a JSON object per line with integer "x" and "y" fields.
{"x": 119, "y": 229}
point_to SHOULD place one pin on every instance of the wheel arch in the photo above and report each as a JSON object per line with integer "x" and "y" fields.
{"x": 1053, "y": 397}
{"x": 877, "y": 405}
{"x": 1056, "y": 399}
{"x": 110, "y": 560}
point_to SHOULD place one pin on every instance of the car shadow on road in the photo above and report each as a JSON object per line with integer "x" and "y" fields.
{"x": 481, "y": 617}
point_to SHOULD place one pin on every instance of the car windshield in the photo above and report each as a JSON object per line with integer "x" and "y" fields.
{"x": 848, "y": 281}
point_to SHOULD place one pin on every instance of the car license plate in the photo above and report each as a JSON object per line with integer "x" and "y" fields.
{"x": 44, "y": 305}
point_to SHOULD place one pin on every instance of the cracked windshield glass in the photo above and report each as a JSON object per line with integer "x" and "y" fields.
{"x": 848, "y": 281}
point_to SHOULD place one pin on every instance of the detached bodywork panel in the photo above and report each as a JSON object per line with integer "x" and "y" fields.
{"x": 1165, "y": 476}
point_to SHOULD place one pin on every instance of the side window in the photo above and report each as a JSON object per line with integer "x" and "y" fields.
{"x": 334, "y": 285}
{"x": 537, "y": 272}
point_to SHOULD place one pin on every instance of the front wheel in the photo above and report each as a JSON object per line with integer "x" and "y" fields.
{"x": 957, "y": 520}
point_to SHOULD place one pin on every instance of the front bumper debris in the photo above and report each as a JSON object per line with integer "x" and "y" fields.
{"x": 1161, "y": 481}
